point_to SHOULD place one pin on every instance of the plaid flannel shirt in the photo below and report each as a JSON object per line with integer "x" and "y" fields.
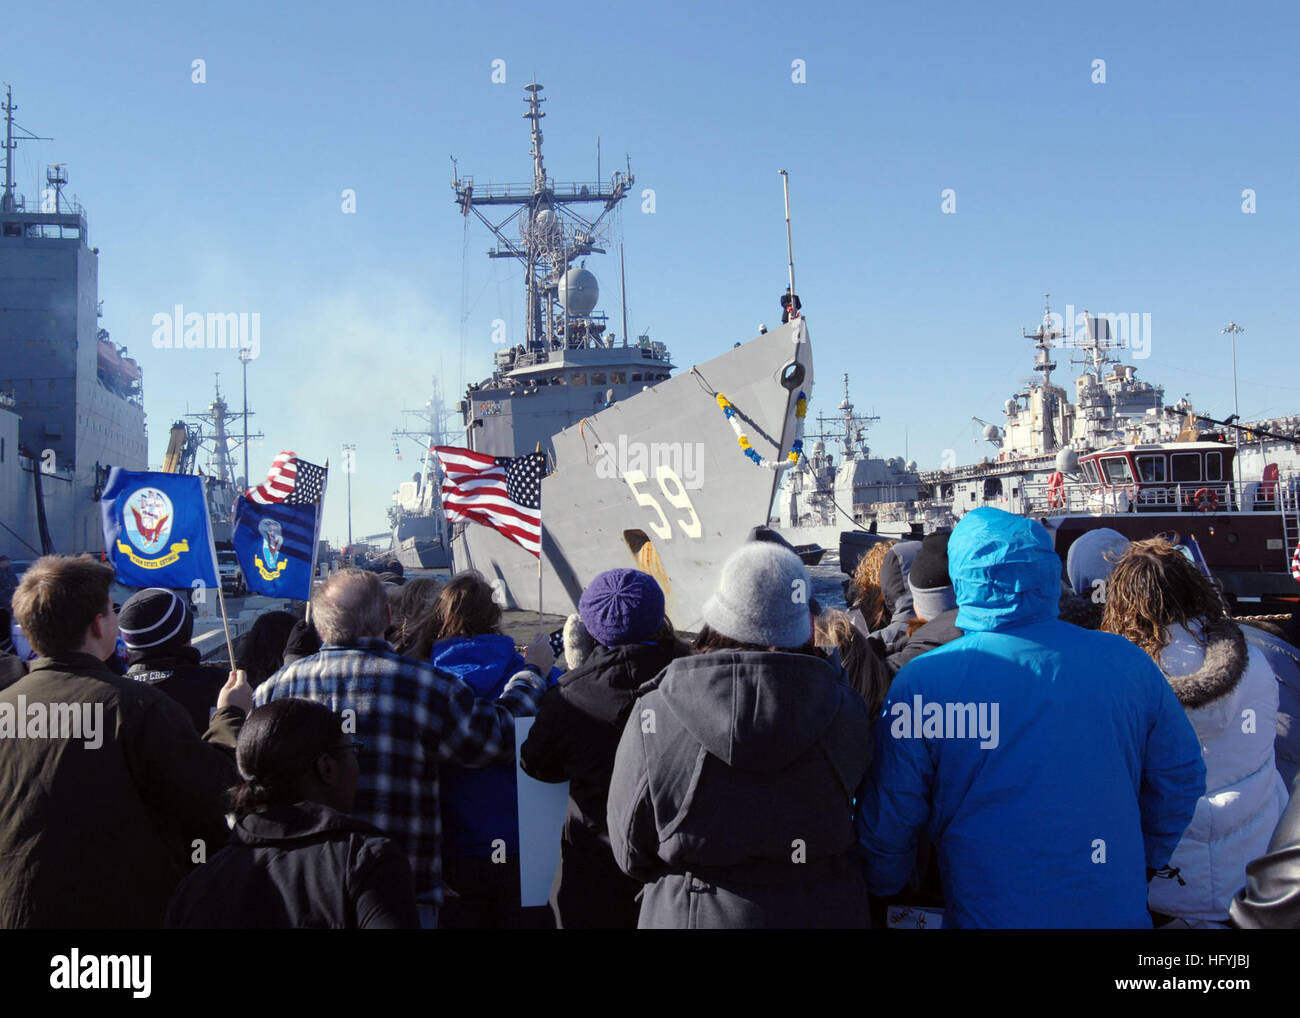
{"x": 409, "y": 717}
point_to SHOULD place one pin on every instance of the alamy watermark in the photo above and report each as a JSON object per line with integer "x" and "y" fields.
{"x": 83, "y": 721}
{"x": 1124, "y": 329}
{"x": 217, "y": 330}
{"x": 934, "y": 720}
{"x": 683, "y": 459}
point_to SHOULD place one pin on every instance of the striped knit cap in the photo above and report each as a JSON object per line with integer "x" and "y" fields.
{"x": 155, "y": 622}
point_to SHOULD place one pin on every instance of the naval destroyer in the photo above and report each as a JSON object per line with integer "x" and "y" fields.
{"x": 646, "y": 466}
{"x": 420, "y": 534}
{"x": 71, "y": 400}
{"x": 821, "y": 499}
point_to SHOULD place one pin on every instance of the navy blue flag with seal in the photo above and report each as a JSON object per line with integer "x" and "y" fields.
{"x": 156, "y": 529}
{"x": 276, "y": 526}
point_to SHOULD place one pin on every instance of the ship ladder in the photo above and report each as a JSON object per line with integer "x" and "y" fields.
{"x": 1290, "y": 508}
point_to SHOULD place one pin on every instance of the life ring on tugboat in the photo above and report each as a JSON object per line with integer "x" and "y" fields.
{"x": 1204, "y": 500}
{"x": 1056, "y": 490}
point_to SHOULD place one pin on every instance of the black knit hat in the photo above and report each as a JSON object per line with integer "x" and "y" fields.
{"x": 930, "y": 567}
{"x": 155, "y": 623}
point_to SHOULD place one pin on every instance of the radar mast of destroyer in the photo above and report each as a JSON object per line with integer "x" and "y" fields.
{"x": 553, "y": 235}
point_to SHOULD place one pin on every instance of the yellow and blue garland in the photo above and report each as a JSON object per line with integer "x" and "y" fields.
{"x": 796, "y": 450}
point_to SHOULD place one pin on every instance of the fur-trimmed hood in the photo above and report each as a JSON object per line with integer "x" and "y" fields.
{"x": 1206, "y": 667}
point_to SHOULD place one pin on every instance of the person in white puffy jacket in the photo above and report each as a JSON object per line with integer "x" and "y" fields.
{"x": 1160, "y": 601}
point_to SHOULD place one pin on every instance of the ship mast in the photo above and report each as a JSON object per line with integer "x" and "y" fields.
{"x": 8, "y": 201}
{"x": 218, "y": 416}
{"x": 553, "y": 233}
{"x": 851, "y": 423}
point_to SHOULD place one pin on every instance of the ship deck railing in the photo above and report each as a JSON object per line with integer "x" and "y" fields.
{"x": 1192, "y": 498}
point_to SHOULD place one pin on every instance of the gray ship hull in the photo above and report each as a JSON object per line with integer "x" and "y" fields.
{"x": 600, "y": 511}
{"x": 422, "y": 553}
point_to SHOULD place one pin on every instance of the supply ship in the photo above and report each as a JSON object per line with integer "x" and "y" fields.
{"x": 71, "y": 400}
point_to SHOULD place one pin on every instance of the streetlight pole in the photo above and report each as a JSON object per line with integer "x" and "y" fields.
{"x": 245, "y": 355}
{"x": 349, "y": 452}
{"x": 1232, "y": 329}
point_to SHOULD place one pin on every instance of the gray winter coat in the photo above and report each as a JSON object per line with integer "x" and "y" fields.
{"x": 732, "y": 794}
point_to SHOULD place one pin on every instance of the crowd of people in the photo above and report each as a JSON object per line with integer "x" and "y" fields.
{"x": 987, "y": 735}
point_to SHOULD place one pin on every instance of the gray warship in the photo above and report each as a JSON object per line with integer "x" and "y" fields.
{"x": 420, "y": 534}
{"x": 1044, "y": 432}
{"x": 819, "y": 499}
{"x": 212, "y": 431}
{"x": 646, "y": 466}
{"x": 71, "y": 402}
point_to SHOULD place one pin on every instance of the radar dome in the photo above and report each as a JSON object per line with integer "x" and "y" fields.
{"x": 1067, "y": 461}
{"x": 1009, "y": 408}
{"x": 579, "y": 291}
{"x": 819, "y": 448}
{"x": 911, "y": 466}
{"x": 992, "y": 433}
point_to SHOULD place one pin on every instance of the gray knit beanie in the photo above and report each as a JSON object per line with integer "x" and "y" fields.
{"x": 762, "y": 598}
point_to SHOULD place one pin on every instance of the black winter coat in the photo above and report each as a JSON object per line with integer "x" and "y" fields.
{"x": 300, "y": 866}
{"x": 96, "y": 832}
{"x": 732, "y": 794}
{"x": 575, "y": 739}
{"x": 939, "y": 630}
{"x": 193, "y": 685}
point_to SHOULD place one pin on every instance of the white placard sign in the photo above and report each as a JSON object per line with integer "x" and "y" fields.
{"x": 541, "y": 823}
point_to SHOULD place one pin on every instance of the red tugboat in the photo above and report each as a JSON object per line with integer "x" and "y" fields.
{"x": 1247, "y": 533}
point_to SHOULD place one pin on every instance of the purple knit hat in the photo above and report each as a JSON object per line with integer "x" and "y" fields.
{"x": 622, "y": 606}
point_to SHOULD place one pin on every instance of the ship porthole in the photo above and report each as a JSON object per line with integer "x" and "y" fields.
{"x": 646, "y": 557}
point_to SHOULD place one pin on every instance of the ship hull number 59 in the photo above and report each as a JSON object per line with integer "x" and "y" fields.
{"x": 674, "y": 491}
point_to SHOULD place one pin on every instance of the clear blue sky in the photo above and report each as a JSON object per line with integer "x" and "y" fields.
{"x": 1119, "y": 197}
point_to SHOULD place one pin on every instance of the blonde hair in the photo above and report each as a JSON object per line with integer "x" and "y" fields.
{"x": 867, "y": 674}
{"x": 866, "y": 585}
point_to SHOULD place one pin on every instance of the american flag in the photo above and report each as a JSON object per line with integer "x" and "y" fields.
{"x": 291, "y": 481}
{"x": 501, "y": 492}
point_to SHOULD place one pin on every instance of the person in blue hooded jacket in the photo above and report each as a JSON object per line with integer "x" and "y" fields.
{"x": 1052, "y": 768}
{"x": 480, "y": 818}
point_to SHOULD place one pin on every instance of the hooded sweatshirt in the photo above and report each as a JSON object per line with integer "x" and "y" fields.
{"x": 1048, "y": 765}
{"x": 732, "y": 793}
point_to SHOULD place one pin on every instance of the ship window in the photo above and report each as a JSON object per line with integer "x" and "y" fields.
{"x": 661, "y": 377}
{"x": 598, "y": 378}
{"x": 1116, "y": 471}
{"x": 1090, "y": 472}
{"x": 578, "y": 379}
{"x": 1151, "y": 468}
{"x": 636, "y": 376}
{"x": 1187, "y": 466}
{"x": 1213, "y": 466}
{"x": 992, "y": 487}
{"x": 618, "y": 378}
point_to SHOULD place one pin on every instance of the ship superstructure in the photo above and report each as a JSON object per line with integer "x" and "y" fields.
{"x": 1044, "y": 431}
{"x": 567, "y": 365}
{"x": 664, "y": 473}
{"x": 420, "y": 536}
{"x": 216, "y": 432}
{"x": 841, "y": 485}
{"x": 71, "y": 400}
